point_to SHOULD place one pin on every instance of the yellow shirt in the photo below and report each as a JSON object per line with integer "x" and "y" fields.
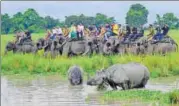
{"x": 65, "y": 31}
{"x": 115, "y": 29}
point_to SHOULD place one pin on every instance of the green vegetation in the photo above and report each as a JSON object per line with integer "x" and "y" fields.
{"x": 140, "y": 96}
{"x": 159, "y": 66}
{"x": 31, "y": 20}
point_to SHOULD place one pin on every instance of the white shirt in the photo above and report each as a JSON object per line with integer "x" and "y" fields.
{"x": 59, "y": 31}
{"x": 80, "y": 28}
{"x": 54, "y": 31}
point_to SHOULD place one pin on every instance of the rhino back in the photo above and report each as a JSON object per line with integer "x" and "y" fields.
{"x": 136, "y": 73}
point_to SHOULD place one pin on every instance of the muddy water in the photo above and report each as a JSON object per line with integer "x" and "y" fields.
{"x": 52, "y": 91}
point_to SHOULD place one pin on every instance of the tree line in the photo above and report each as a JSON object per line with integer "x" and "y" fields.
{"x": 31, "y": 20}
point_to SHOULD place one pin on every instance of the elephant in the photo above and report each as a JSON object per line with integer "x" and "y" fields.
{"x": 150, "y": 47}
{"x": 78, "y": 47}
{"x": 75, "y": 75}
{"x": 111, "y": 46}
{"x": 128, "y": 76}
{"x": 55, "y": 48}
{"x": 20, "y": 48}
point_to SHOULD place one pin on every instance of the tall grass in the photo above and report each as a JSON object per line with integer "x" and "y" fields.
{"x": 159, "y": 66}
{"x": 140, "y": 96}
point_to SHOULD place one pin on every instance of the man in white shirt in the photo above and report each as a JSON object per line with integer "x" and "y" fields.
{"x": 54, "y": 31}
{"x": 59, "y": 31}
{"x": 80, "y": 30}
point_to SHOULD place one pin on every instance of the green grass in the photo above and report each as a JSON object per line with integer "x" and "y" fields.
{"x": 29, "y": 64}
{"x": 140, "y": 96}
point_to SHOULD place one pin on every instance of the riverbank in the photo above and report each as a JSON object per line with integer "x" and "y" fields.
{"x": 34, "y": 65}
{"x": 141, "y": 96}
{"x": 28, "y": 64}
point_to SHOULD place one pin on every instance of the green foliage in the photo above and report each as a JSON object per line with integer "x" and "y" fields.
{"x": 159, "y": 66}
{"x": 174, "y": 97}
{"x": 140, "y": 96}
{"x": 31, "y": 20}
{"x": 6, "y": 23}
{"x": 87, "y": 20}
{"x": 137, "y": 15}
{"x": 169, "y": 19}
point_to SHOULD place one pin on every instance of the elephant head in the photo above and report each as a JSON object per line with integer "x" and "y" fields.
{"x": 9, "y": 47}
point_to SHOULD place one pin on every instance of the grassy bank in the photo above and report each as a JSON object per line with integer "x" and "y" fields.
{"x": 29, "y": 64}
{"x": 139, "y": 96}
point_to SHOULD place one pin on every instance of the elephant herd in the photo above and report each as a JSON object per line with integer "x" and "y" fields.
{"x": 91, "y": 45}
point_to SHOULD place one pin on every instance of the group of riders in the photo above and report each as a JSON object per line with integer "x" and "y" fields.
{"x": 105, "y": 31}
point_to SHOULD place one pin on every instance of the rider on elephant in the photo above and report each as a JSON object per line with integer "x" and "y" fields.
{"x": 108, "y": 32}
{"x": 49, "y": 33}
{"x": 115, "y": 30}
{"x": 134, "y": 33}
{"x": 27, "y": 36}
{"x": 86, "y": 32}
{"x": 165, "y": 30}
{"x": 80, "y": 31}
{"x": 158, "y": 36}
{"x": 73, "y": 32}
{"x": 151, "y": 31}
{"x": 128, "y": 32}
{"x": 65, "y": 31}
{"x": 54, "y": 33}
{"x": 17, "y": 36}
{"x": 59, "y": 32}
{"x": 103, "y": 31}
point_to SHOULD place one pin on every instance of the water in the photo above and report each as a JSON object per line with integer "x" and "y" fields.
{"x": 52, "y": 91}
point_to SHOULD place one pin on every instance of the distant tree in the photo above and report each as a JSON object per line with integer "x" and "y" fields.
{"x": 137, "y": 15}
{"x": 50, "y": 22}
{"x": 6, "y": 23}
{"x": 169, "y": 19}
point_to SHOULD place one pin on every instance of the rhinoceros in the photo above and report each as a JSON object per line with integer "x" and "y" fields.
{"x": 127, "y": 76}
{"x": 75, "y": 75}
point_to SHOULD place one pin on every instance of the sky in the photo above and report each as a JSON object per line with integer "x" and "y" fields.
{"x": 117, "y": 9}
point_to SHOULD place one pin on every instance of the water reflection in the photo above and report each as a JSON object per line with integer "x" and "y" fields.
{"x": 50, "y": 91}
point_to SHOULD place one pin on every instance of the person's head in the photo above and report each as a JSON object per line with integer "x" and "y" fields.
{"x": 119, "y": 25}
{"x": 150, "y": 25}
{"x": 165, "y": 25}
